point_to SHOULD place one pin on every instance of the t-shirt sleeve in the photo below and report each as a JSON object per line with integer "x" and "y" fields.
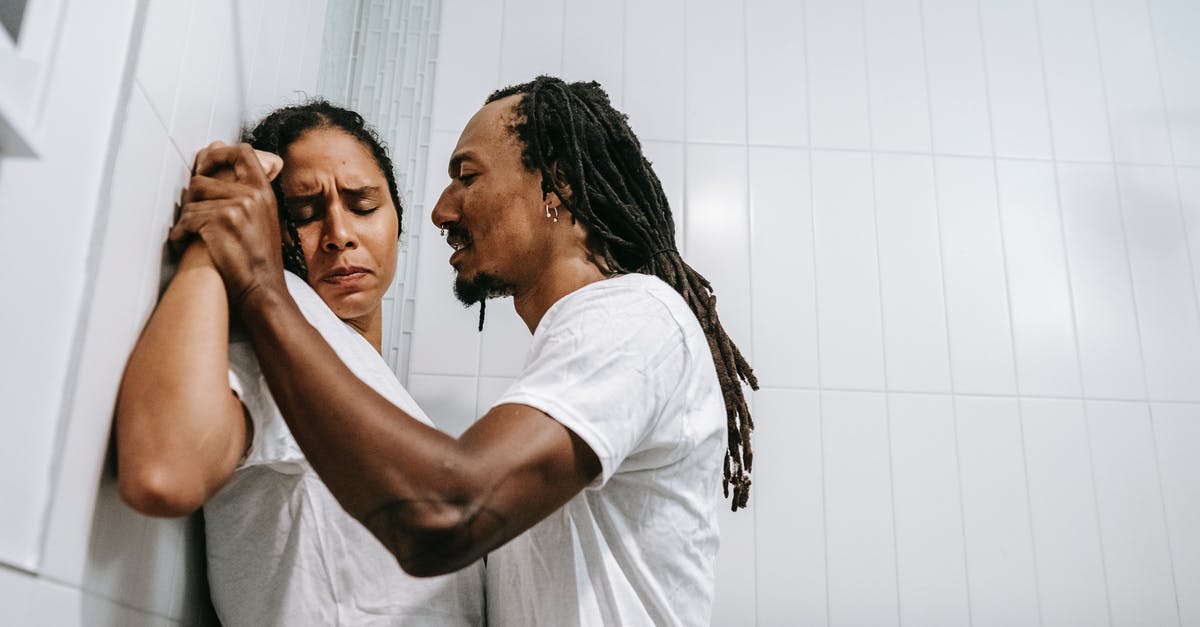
{"x": 270, "y": 444}
{"x": 605, "y": 369}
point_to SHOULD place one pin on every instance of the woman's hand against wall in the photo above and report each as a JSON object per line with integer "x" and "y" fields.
{"x": 237, "y": 220}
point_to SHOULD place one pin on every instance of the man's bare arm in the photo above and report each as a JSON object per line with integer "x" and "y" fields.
{"x": 438, "y": 503}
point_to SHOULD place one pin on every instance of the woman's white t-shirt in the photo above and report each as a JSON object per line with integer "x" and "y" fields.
{"x": 624, "y": 364}
{"x": 282, "y": 551}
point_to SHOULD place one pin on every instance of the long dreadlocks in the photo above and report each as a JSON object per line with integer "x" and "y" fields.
{"x": 574, "y": 137}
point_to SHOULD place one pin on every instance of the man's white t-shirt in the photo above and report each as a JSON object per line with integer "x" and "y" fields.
{"x": 282, "y": 551}
{"x": 624, "y": 364}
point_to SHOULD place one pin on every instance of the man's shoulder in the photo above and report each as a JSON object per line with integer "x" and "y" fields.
{"x": 633, "y": 293}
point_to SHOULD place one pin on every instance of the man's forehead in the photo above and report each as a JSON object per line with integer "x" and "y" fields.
{"x": 488, "y": 129}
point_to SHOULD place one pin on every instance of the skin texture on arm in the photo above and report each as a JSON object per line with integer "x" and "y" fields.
{"x": 180, "y": 429}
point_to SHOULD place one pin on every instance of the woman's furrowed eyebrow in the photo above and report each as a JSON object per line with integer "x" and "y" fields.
{"x": 359, "y": 192}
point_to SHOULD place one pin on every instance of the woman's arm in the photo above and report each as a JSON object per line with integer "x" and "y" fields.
{"x": 180, "y": 429}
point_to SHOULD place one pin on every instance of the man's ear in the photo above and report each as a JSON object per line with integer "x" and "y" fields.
{"x": 561, "y": 188}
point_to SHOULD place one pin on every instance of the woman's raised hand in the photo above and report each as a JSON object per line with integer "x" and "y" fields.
{"x": 235, "y": 216}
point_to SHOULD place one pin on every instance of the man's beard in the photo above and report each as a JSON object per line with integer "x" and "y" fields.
{"x": 483, "y": 286}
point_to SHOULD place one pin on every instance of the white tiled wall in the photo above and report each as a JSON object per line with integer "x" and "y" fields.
{"x": 959, "y": 241}
{"x": 190, "y": 71}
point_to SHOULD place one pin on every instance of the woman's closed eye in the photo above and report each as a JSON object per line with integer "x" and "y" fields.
{"x": 303, "y": 214}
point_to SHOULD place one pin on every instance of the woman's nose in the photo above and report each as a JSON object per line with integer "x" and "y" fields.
{"x": 336, "y": 233}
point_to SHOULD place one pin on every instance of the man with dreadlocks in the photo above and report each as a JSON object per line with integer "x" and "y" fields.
{"x": 592, "y": 479}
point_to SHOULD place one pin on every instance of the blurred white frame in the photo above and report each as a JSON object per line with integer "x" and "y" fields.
{"x": 24, "y": 63}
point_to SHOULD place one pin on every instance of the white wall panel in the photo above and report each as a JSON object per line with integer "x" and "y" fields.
{"x": 531, "y": 42}
{"x": 981, "y": 353}
{"x": 776, "y": 74}
{"x": 718, "y": 232}
{"x": 1039, "y": 288}
{"x": 910, "y": 269}
{"x": 166, "y": 34}
{"x": 57, "y": 198}
{"x": 1075, "y": 89}
{"x": 782, "y": 284}
{"x": 449, "y": 401}
{"x": 1178, "y": 50}
{"x": 848, "y": 307}
{"x": 1001, "y": 563}
{"x": 899, "y": 94}
{"x": 474, "y": 75}
{"x": 655, "y": 83}
{"x": 1062, "y": 498}
{"x": 593, "y": 47}
{"x": 1189, "y": 202}
{"x": 1109, "y": 350}
{"x": 1016, "y": 88}
{"x": 1134, "y": 93}
{"x": 958, "y": 91}
{"x": 504, "y": 342}
{"x": 716, "y": 71}
{"x": 790, "y": 511}
{"x": 1141, "y": 586}
{"x": 268, "y": 57}
{"x": 1162, "y": 282}
{"x": 447, "y": 342}
{"x": 930, "y": 549}
{"x": 116, "y": 315}
{"x": 1177, "y": 438}
{"x": 859, "y": 523}
{"x": 837, "y": 75}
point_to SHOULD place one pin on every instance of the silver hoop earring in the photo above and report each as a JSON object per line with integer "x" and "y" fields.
{"x": 555, "y": 216}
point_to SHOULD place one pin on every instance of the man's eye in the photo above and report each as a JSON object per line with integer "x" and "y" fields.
{"x": 467, "y": 178}
{"x": 365, "y": 211}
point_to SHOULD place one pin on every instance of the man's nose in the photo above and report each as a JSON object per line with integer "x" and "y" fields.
{"x": 447, "y": 207}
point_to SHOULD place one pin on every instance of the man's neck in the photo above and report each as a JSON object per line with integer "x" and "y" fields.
{"x": 564, "y": 277}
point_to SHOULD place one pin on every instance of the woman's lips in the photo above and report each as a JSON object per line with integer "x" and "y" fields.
{"x": 346, "y": 276}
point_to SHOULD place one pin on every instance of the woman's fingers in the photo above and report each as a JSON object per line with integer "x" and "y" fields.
{"x": 242, "y": 158}
{"x": 272, "y": 164}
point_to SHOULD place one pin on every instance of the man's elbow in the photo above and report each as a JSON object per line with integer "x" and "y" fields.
{"x": 157, "y": 491}
{"x": 427, "y": 543}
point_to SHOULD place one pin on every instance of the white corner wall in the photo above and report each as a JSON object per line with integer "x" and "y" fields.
{"x": 959, "y": 241}
{"x": 87, "y": 272}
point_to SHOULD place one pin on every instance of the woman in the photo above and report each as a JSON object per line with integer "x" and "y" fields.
{"x": 197, "y": 426}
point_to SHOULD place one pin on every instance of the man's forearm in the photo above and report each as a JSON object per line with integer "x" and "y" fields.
{"x": 368, "y": 451}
